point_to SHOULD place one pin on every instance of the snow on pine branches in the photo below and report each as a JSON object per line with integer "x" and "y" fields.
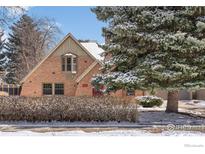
{"x": 153, "y": 47}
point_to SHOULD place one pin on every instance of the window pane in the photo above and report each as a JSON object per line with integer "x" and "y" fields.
{"x": 68, "y": 63}
{"x": 59, "y": 89}
{"x": 130, "y": 92}
{"x": 74, "y": 68}
{"x": 15, "y": 91}
{"x": 11, "y": 91}
{"x": 74, "y": 64}
{"x": 63, "y": 63}
{"x": 74, "y": 60}
{"x": 5, "y": 88}
{"x": 47, "y": 89}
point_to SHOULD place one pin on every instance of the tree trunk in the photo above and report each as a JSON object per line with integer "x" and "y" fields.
{"x": 172, "y": 101}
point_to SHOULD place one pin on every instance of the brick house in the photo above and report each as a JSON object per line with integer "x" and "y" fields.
{"x": 66, "y": 70}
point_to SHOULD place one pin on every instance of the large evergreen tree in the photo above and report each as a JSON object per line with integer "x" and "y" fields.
{"x": 154, "y": 47}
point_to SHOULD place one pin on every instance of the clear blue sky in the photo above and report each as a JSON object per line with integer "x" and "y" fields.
{"x": 80, "y": 21}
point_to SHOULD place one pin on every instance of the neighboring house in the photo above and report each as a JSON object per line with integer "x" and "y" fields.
{"x": 67, "y": 70}
{"x": 185, "y": 94}
{"x": 7, "y": 89}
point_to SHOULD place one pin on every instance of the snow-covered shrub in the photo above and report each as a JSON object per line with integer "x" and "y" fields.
{"x": 149, "y": 101}
{"x": 63, "y": 108}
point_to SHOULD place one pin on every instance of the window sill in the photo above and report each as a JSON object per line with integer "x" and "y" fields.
{"x": 74, "y": 72}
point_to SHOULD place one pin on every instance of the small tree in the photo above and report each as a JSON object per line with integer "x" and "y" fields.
{"x": 154, "y": 47}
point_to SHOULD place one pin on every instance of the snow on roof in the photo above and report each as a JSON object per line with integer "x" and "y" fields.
{"x": 94, "y": 49}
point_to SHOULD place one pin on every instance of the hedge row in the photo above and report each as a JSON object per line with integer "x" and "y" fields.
{"x": 67, "y": 109}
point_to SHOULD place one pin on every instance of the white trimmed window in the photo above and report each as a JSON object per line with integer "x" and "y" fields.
{"x": 59, "y": 89}
{"x": 47, "y": 89}
{"x": 53, "y": 89}
{"x": 130, "y": 92}
{"x": 69, "y": 63}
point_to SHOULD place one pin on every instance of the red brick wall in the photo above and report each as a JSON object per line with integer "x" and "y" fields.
{"x": 87, "y": 91}
{"x": 122, "y": 93}
{"x": 50, "y": 72}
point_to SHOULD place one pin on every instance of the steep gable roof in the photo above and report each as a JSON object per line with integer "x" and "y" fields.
{"x": 54, "y": 49}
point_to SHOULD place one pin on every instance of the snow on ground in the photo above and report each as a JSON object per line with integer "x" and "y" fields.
{"x": 194, "y": 103}
{"x": 104, "y": 133}
{"x": 162, "y": 118}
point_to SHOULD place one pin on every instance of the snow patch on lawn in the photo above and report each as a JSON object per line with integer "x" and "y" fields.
{"x": 199, "y": 104}
{"x": 162, "y": 118}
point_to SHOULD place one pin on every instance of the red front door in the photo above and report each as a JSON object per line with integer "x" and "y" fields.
{"x": 97, "y": 92}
